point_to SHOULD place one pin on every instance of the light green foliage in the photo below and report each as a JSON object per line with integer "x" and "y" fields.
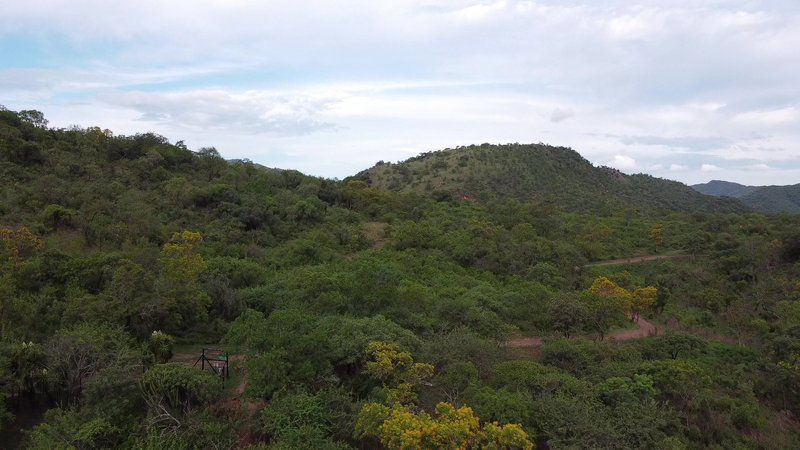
{"x": 160, "y": 346}
{"x": 619, "y": 391}
{"x": 303, "y": 420}
{"x": 55, "y": 216}
{"x": 178, "y": 387}
{"x": 67, "y": 429}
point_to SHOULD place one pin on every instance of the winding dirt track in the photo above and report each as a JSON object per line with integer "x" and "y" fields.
{"x": 634, "y": 260}
{"x": 642, "y": 330}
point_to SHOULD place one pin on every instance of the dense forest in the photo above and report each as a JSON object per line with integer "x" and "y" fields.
{"x": 481, "y": 297}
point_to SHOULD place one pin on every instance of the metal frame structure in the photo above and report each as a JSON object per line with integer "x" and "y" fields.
{"x": 217, "y": 361}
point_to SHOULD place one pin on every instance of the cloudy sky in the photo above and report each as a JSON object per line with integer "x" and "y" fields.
{"x": 682, "y": 89}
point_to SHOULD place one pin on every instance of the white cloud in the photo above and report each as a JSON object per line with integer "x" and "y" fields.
{"x": 559, "y": 115}
{"x": 637, "y": 25}
{"x": 709, "y": 168}
{"x": 252, "y": 111}
{"x": 481, "y": 10}
{"x": 769, "y": 117}
{"x": 263, "y": 79}
{"x": 622, "y": 162}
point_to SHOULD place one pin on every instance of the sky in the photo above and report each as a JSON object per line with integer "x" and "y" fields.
{"x": 680, "y": 89}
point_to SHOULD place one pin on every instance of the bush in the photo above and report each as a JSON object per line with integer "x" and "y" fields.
{"x": 179, "y": 387}
{"x": 324, "y": 416}
{"x": 55, "y": 216}
{"x": 570, "y": 356}
{"x": 161, "y": 345}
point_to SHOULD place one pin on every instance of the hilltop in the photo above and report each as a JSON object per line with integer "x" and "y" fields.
{"x": 538, "y": 173}
{"x": 768, "y": 199}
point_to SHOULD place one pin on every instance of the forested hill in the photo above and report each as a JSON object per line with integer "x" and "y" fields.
{"x": 538, "y": 173}
{"x": 768, "y": 199}
{"x": 358, "y": 317}
{"x": 721, "y": 188}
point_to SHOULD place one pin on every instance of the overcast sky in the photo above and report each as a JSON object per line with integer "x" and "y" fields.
{"x": 681, "y": 89}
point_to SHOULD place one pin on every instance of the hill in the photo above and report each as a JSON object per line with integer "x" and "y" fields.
{"x": 537, "y": 173}
{"x": 719, "y": 188}
{"x": 768, "y": 199}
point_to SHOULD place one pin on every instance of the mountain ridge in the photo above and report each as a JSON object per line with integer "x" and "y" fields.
{"x": 539, "y": 173}
{"x": 772, "y": 199}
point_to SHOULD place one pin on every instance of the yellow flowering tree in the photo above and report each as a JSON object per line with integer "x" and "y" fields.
{"x": 608, "y": 303}
{"x": 657, "y": 235}
{"x": 179, "y": 283}
{"x": 400, "y": 424}
{"x": 642, "y": 299}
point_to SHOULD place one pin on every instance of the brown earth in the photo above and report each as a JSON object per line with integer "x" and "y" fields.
{"x": 635, "y": 260}
{"x": 643, "y": 329}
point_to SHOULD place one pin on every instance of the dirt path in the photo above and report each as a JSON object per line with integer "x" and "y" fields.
{"x": 634, "y": 260}
{"x": 643, "y": 329}
{"x": 239, "y": 361}
{"x": 524, "y": 342}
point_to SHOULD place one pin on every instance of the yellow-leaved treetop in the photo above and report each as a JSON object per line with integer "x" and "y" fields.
{"x": 657, "y": 234}
{"x": 179, "y": 283}
{"x": 397, "y": 371}
{"x": 642, "y": 299}
{"x": 18, "y": 243}
{"x": 399, "y": 424}
{"x": 608, "y": 303}
{"x": 604, "y": 287}
{"x": 180, "y": 260}
{"x": 398, "y": 427}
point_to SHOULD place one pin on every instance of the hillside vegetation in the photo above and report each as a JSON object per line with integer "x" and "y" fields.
{"x": 364, "y": 317}
{"x": 541, "y": 174}
{"x": 768, "y": 199}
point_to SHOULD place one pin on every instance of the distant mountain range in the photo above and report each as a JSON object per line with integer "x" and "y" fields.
{"x": 555, "y": 176}
{"x": 769, "y": 199}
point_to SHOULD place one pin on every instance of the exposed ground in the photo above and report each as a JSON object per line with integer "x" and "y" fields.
{"x": 635, "y": 260}
{"x": 643, "y": 329}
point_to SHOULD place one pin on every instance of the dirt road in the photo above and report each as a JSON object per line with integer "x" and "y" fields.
{"x": 643, "y": 329}
{"x": 634, "y": 260}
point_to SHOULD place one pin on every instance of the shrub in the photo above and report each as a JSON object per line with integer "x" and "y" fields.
{"x": 179, "y": 387}
{"x": 161, "y": 345}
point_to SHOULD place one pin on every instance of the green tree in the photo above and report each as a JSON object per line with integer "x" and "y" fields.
{"x": 567, "y": 314}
